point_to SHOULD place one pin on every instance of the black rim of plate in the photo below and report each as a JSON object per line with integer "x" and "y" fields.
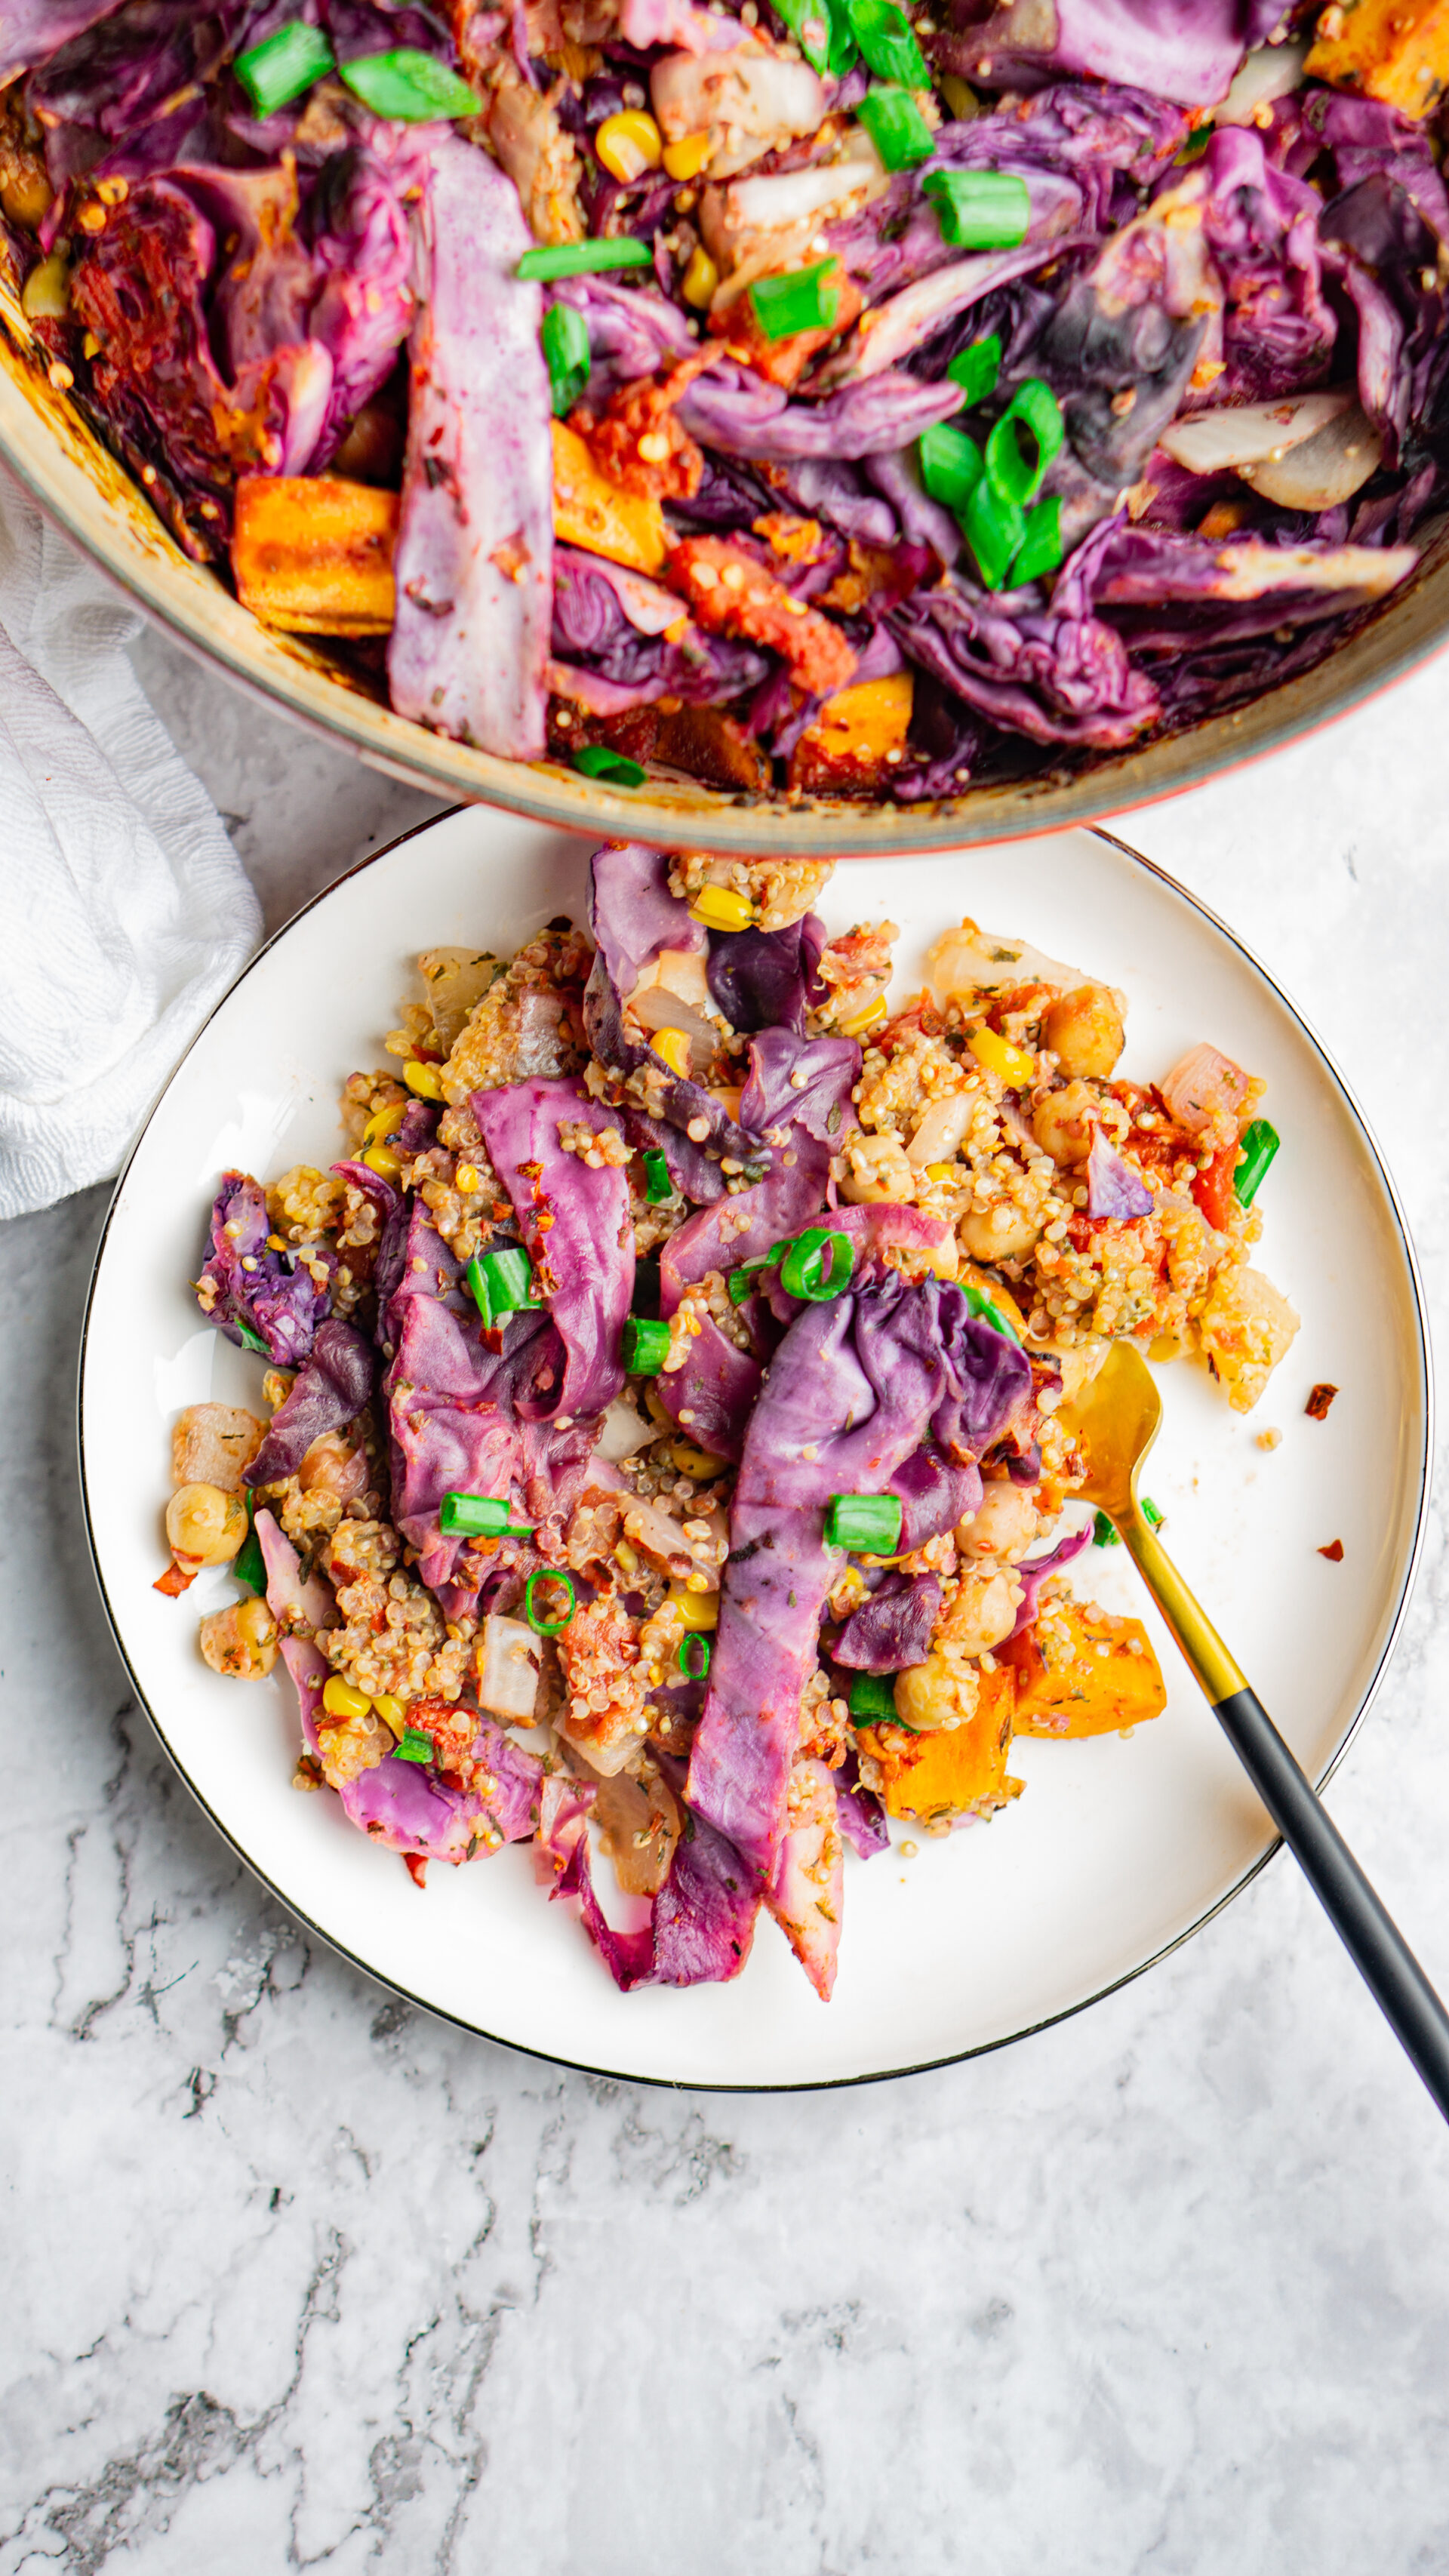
{"x": 954, "y": 2057}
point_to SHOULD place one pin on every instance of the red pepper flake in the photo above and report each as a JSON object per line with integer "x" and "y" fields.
{"x": 1320, "y": 1400}
{"x": 731, "y": 594}
{"x": 175, "y": 1581}
{"x": 416, "y": 1866}
{"x": 1334, "y": 1553}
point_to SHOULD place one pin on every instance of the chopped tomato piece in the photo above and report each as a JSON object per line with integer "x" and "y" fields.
{"x": 1213, "y": 1189}
{"x": 731, "y": 594}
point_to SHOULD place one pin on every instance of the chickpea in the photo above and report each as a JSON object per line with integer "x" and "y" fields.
{"x": 983, "y": 1613}
{"x": 1064, "y": 1123}
{"x": 1084, "y": 1030}
{"x": 1000, "y": 1233}
{"x": 876, "y": 1169}
{"x": 241, "y": 1641}
{"x": 205, "y": 1524}
{"x": 935, "y": 1694}
{"x": 1005, "y": 1524}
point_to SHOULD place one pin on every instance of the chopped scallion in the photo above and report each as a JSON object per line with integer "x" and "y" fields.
{"x": 804, "y": 299}
{"x": 896, "y": 127}
{"x": 596, "y": 760}
{"x": 817, "y": 1265}
{"x": 249, "y": 1565}
{"x": 500, "y": 1283}
{"x": 822, "y": 32}
{"x": 1104, "y": 1533}
{"x": 658, "y": 1187}
{"x": 994, "y": 528}
{"x": 575, "y": 259}
{"x": 279, "y": 69}
{"x": 1019, "y": 469}
{"x": 979, "y": 209}
{"x": 408, "y": 86}
{"x": 479, "y": 1516}
{"x": 549, "y": 1574}
{"x": 565, "y": 337}
{"x": 1260, "y": 1143}
{"x": 869, "y": 1523}
{"x": 976, "y": 368}
{"x": 885, "y": 38}
{"x": 1040, "y": 551}
{"x": 694, "y": 1654}
{"x": 646, "y": 1346}
{"x": 873, "y": 1699}
{"x": 951, "y": 464}
{"x": 989, "y": 1313}
{"x": 414, "y": 1745}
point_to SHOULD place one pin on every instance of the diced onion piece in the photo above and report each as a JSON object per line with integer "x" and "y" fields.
{"x": 1320, "y": 472}
{"x": 1205, "y": 1090}
{"x": 1271, "y": 71}
{"x": 1208, "y": 442}
{"x": 508, "y": 1657}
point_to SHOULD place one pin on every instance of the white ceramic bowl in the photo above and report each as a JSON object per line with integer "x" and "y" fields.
{"x": 1119, "y": 1849}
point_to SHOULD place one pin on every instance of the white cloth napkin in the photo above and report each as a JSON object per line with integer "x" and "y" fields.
{"x": 124, "y": 910}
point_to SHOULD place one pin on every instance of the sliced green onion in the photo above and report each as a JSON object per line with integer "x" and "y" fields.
{"x": 646, "y": 1346}
{"x": 980, "y": 1304}
{"x": 822, "y": 32}
{"x": 896, "y": 127}
{"x": 1104, "y": 1533}
{"x": 1150, "y": 1513}
{"x": 414, "y": 1745}
{"x": 979, "y": 209}
{"x": 994, "y": 529}
{"x": 1260, "y": 1143}
{"x": 694, "y": 1654}
{"x": 1196, "y": 145}
{"x": 951, "y": 464}
{"x": 501, "y": 1282}
{"x": 873, "y": 1699}
{"x": 249, "y": 1566}
{"x": 276, "y": 71}
{"x": 884, "y": 36}
{"x": 565, "y": 337}
{"x": 1040, "y": 551}
{"x": 658, "y": 1187}
{"x": 1035, "y": 409}
{"x": 817, "y": 1265}
{"x": 574, "y": 259}
{"x": 479, "y": 1516}
{"x": 597, "y": 761}
{"x": 977, "y": 368}
{"x": 549, "y": 1574}
{"x": 741, "y": 1283}
{"x": 806, "y": 299}
{"x": 869, "y": 1523}
{"x": 408, "y": 87}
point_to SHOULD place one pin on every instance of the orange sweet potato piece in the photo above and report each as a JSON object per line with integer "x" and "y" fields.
{"x": 1394, "y": 50}
{"x": 858, "y": 737}
{"x": 955, "y": 1771}
{"x": 1081, "y": 1671}
{"x": 591, "y": 511}
{"x": 313, "y": 555}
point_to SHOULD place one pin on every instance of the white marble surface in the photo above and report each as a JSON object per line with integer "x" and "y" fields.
{"x": 298, "y": 2278}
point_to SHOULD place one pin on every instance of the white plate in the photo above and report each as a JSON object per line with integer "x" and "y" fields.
{"x": 1119, "y": 1847}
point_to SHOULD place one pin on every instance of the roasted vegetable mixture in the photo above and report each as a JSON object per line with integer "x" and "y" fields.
{"x": 666, "y": 1396}
{"x": 825, "y": 398}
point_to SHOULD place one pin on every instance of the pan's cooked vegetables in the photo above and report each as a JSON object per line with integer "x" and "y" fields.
{"x": 314, "y": 556}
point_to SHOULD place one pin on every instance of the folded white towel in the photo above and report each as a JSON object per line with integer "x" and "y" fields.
{"x": 124, "y": 910}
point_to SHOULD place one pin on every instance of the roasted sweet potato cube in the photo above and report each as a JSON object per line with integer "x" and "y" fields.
{"x": 1394, "y": 50}
{"x": 849, "y": 746}
{"x": 313, "y": 555}
{"x": 954, "y": 1771}
{"x": 600, "y": 516}
{"x": 1081, "y": 1671}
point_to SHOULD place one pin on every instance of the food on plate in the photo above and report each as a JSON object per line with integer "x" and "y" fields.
{"x": 659, "y": 1452}
{"x": 821, "y": 398}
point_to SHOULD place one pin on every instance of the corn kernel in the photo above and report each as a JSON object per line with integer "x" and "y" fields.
{"x": 466, "y": 1179}
{"x": 382, "y": 1160}
{"x": 626, "y": 1555}
{"x": 699, "y": 281}
{"x": 629, "y": 144}
{"x": 423, "y": 1079}
{"x": 701, "y": 1464}
{"x": 729, "y": 1095}
{"x": 697, "y": 1609}
{"x": 673, "y": 1046}
{"x": 391, "y": 1711}
{"x": 865, "y": 1019}
{"x": 342, "y": 1700}
{"x": 686, "y": 158}
{"x": 720, "y": 908}
{"x": 1000, "y": 1056}
{"x": 385, "y": 1122}
{"x": 940, "y": 1171}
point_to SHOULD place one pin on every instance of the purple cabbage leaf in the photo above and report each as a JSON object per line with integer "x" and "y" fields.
{"x": 248, "y": 1288}
{"x": 331, "y": 1388}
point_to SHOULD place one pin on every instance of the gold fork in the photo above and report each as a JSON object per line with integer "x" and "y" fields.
{"x": 1115, "y": 1421}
